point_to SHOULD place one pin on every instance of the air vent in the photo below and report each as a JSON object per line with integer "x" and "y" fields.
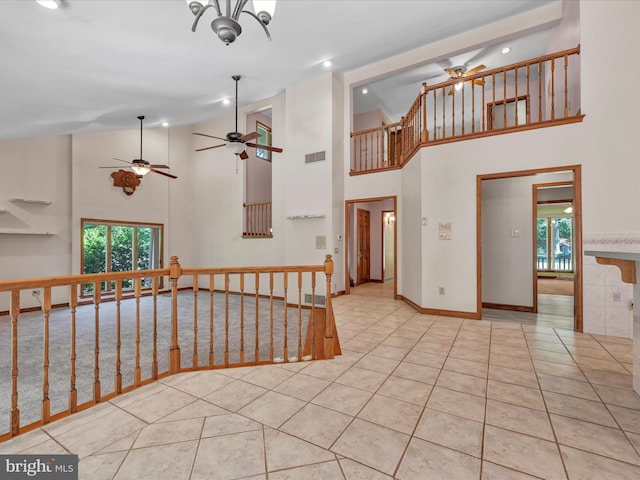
{"x": 320, "y": 299}
{"x": 315, "y": 157}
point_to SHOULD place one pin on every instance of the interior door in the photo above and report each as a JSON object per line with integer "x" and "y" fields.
{"x": 364, "y": 242}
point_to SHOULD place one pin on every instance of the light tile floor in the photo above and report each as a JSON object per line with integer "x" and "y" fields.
{"x": 412, "y": 397}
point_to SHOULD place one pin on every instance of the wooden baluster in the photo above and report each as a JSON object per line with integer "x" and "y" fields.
{"x": 504, "y": 99}
{"x": 271, "y": 317}
{"x": 484, "y": 125}
{"x": 96, "y": 361}
{"x": 286, "y": 336}
{"x": 516, "y": 93}
{"x": 174, "y": 350}
{"x": 453, "y": 114}
{"x": 118, "y": 377}
{"x": 473, "y": 107}
{"x": 313, "y": 315}
{"x": 211, "y": 319}
{"x": 444, "y": 108}
{"x": 461, "y": 106}
{"x": 195, "y": 322}
{"x": 423, "y": 103}
{"x": 257, "y": 286}
{"x": 528, "y": 94}
{"x": 46, "y": 310}
{"x": 137, "y": 372}
{"x": 15, "y": 411}
{"x": 226, "y": 320}
{"x": 329, "y": 334}
{"x": 241, "y": 318}
{"x": 493, "y": 86}
{"x": 299, "y": 316}
{"x": 566, "y": 86}
{"x": 73, "y": 393}
{"x": 154, "y": 361}
{"x": 553, "y": 89}
{"x": 435, "y": 105}
{"x": 540, "y": 118}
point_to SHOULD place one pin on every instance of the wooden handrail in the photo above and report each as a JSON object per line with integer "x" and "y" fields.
{"x": 141, "y": 364}
{"x": 442, "y": 114}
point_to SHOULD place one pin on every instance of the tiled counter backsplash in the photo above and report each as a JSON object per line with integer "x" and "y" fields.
{"x": 607, "y": 299}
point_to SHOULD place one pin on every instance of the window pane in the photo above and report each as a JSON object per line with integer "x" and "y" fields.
{"x": 543, "y": 254}
{"x": 94, "y": 253}
{"x": 122, "y": 251}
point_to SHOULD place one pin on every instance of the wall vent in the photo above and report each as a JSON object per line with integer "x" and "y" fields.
{"x": 315, "y": 157}
{"x": 320, "y": 299}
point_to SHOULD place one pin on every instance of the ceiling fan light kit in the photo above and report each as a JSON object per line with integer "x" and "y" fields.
{"x": 226, "y": 25}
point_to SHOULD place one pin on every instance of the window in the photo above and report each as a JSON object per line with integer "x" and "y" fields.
{"x": 264, "y": 139}
{"x": 109, "y": 246}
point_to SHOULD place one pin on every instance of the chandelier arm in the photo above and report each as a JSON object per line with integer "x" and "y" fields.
{"x": 238, "y": 9}
{"x": 264, "y": 27}
{"x": 195, "y": 22}
{"x": 216, "y": 4}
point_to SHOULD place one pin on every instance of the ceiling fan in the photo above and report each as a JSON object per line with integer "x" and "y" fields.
{"x": 236, "y": 141}
{"x": 140, "y": 166}
{"x": 459, "y": 73}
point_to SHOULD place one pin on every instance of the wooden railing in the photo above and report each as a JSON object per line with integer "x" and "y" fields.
{"x": 257, "y": 219}
{"x": 228, "y": 317}
{"x": 536, "y": 93}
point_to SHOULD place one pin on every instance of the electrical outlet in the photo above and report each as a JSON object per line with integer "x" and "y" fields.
{"x": 440, "y": 290}
{"x": 35, "y": 293}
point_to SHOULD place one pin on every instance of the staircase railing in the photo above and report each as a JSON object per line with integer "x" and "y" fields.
{"x": 536, "y": 93}
{"x": 231, "y": 316}
{"x": 257, "y": 219}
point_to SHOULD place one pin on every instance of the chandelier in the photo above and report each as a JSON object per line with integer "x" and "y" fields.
{"x": 226, "y": 25}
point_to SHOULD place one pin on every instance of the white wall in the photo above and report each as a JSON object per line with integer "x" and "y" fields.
{"x": 38, "y": 169}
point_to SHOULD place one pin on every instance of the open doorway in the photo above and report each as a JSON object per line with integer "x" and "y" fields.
{"x": 370, "y": 240}
{"x": 515, "y": 248}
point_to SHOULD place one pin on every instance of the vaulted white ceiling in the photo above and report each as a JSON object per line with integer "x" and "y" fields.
{"x": 97, "y": 64}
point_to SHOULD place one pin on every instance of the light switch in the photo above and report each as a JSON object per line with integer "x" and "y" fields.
{"x": 444, "y": 235}
{"x": 516, "y": 233}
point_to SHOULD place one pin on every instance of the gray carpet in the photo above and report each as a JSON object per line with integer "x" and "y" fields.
{"x": 30, "y": 345}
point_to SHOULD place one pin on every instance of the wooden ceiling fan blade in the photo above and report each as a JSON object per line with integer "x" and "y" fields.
{"x": 450, "y": 72}
{"x": 265, "y": 147}
{"x": 111, "y": 167}
{"x": 478, "y": 82}
{"x": 209, "y": 148}
{"x": 244, "y": 155}
{"x": 209, "y": 136}
{"x": 249, "y": 136}
{"x": 159, "y": 166}
{"x": 452, "y": 90}
{"x": 163, "y": 173}
{"x": 474, "y": 70}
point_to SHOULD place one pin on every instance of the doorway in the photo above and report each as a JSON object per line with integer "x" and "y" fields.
{"x": 370, "y": 246}
{"x": 510, "y": 248}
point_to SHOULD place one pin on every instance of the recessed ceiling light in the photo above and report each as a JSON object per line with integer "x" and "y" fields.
{"x": 326, "y": 63}
{"x": 165, "y": 124}
{"x": 365, "y": 91}
{"x": 226, "y": 101}
{"x": 506, "y": 49}
{"x": 51, "y": 4}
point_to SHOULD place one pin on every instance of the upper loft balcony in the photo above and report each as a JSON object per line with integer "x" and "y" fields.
{"x": 536, "y": 93}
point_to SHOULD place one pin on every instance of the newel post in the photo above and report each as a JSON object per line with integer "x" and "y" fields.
{"x": 174, "y": 349}
{"x": 330, "y": 324}
{"x": 424, "y": 134}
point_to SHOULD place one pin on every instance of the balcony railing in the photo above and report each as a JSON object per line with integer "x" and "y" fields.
{"x": 257, "y": 219}
{"x": 73, "y": 356}
{"x": 536, "y": 93}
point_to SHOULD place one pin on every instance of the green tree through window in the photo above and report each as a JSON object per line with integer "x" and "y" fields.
{"x": 120, "y": 247}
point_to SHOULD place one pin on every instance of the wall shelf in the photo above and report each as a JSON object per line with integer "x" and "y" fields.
{"x": 30, "y": 200}
{"x": 299, "y": 217}
{"x": 24, "y": 232}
